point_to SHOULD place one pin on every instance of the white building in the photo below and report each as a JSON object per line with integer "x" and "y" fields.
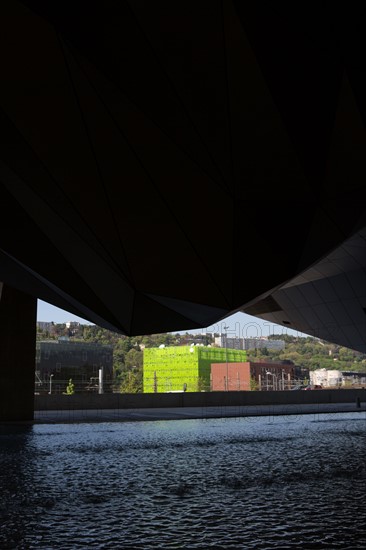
{"x": 326, "y": 378}
{"x": 72, "y": 324}
{"x": 337, "y": 378}
{"x": 249, "y": 343}
{"x": 45, "y": 325}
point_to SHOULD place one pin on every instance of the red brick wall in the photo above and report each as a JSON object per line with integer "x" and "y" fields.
{"x": 238, "y": 375}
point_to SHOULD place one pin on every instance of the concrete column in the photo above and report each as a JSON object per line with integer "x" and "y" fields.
{"x": 18, "y": 315}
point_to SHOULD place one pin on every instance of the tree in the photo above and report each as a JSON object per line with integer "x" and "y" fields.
{"x": 124, "y": 344}
{"x": 70, "y": 388}
{"x": 118, "y": 367}
{"x": 131, "y": 381}
{"x": 202, "y": 384}
{"x": 134, "y": 358}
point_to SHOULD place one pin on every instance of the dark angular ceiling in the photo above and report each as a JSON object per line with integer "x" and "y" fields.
{"x": 165, "y": 164}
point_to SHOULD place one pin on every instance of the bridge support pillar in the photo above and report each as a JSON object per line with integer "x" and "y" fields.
{"x": 18, "y": 315}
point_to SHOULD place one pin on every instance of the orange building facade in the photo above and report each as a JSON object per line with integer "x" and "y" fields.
{"x": 248, "y": 375}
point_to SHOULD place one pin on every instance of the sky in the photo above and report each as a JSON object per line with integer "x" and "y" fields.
{"x": 239, "y": 324}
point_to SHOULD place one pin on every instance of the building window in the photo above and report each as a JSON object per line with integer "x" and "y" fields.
{"x": 85, "y": 355}
{"x": 58, "y": 367}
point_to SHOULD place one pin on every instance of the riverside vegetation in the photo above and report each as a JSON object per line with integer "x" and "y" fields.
{"x": 307, "y": 352}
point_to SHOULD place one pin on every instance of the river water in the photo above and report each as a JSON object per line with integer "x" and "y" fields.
{"x": 239, "y": 483}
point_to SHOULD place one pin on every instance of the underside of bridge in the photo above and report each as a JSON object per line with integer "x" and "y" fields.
{"x": 166, "y": 164}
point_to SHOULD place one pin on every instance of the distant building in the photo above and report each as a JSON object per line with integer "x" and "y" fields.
{"x": 184, "y": 368}
{"x": 197, "y": 368}
{"x": 337, "y": 378}
{"x": 231, "y": 376}
{"x": 45, "y": 326}
{"x": 326, "y": 378}
{"x": 260, "y": 343}
{"x": 272, "y": 375}
{"x": 302, "y": 374}
{"x": 249, "y": 343}
{"x": 351, "y": 378}
{"x": 81, "y": 361}
{"x": 72, "y": 324}
{"x": 249, "y": 375}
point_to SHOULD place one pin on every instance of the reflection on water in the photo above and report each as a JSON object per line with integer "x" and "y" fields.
{"x": 279, "y": 482}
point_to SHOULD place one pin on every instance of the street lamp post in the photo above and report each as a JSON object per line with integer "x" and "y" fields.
{"x": 51, "y": 376}
{"x": 274, "y": 380}
{"x": 227, "y": 369}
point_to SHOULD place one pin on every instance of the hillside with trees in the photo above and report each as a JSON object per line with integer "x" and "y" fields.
{"x": 307, "y": 352}
{"x": 313, "y": 353}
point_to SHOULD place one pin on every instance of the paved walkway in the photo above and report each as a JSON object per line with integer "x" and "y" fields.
{"x": 179, "y": 413}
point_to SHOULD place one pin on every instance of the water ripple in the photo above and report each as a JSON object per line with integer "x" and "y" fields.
{"x": 194, "y": 484}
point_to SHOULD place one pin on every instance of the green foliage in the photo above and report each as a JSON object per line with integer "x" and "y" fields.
{"x": 253, "y": 384}
{"x": 70, "y": 388}
{"x": 134, "y": 358}
{"x": 131, "y": 381}
{"x": 202, "y": 384}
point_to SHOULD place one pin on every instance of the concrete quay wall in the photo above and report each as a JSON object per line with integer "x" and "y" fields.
{"x": 209, "y": 399}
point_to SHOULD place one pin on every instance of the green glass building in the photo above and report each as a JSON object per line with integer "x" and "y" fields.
{"x": 63, "y": 359}
{"x": 184, "y": 368}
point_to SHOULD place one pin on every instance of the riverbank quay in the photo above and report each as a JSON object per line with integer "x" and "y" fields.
{"x": 137, "y": 407}
{"x": 178, "y": 413}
